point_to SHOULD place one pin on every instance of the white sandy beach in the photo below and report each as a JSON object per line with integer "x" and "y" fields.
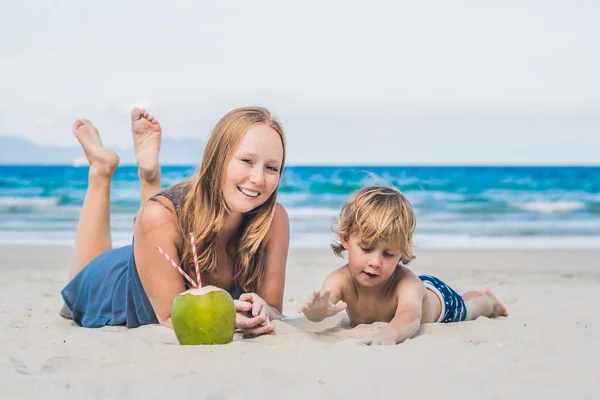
{"x": 548, "y": 347}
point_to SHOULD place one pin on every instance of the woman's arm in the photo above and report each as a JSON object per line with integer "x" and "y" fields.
{"x": 266, "y": 304}
{"x": 278, "y": 241}
{"x": 156, "y": 225}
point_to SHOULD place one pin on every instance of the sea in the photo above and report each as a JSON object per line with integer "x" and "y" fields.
{"x": 549, "y": 207}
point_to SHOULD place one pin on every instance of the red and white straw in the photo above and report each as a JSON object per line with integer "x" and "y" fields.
{"x": 173, "y": 263}
{"x": 195, "y": 259}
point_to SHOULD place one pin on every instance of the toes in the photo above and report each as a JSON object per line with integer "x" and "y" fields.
{"x": 136, "y": 114}
{"x": 81, "y": 122}
{"x": 502, "y": 310}
{"x": 140, "y": 113}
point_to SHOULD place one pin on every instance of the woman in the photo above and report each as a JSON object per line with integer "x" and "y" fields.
{"x": 241, "y": 232}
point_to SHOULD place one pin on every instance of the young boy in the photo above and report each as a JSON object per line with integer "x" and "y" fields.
{"x": 376, "y": 227}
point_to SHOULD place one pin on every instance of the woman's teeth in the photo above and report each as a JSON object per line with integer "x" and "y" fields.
{"x": 247, "y": 192}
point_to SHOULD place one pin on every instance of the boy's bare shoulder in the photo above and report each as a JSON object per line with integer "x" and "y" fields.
{"x": 341, "y": 277}
{"x": 340, "y": 282}
{"x": 408, "y": 281}
{"x": 406, "y": 275}
{"x": 342, "y": 273}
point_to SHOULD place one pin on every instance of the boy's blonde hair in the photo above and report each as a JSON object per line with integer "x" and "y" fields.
{"x": 376, "y": 214}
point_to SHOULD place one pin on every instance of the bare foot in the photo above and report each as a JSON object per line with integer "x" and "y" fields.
{"x": 146, "y": 138}
{"x": 499, "y": 309}
{"x": 103, "y": 162}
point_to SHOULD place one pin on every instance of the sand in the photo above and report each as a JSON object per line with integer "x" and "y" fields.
{"x": 548, "y": 347}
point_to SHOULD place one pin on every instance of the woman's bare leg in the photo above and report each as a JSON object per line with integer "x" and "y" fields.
{"x": 146, "y": 133}
{"x": 93, "y": 230}
{"x": 483, "y": 302}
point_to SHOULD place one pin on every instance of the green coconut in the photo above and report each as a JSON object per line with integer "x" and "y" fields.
{"x": 203, "y": 316}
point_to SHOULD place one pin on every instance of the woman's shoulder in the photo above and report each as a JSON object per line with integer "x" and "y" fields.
{"x": 280, "y": 211}
{"x": 279, "y": 230}
{"x": 157, "y": 212}
{"x": 280, "y": 220}
{"x": 176, "y": 193}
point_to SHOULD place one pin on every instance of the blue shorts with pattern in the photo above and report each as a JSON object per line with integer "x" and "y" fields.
{"x": 453, "y": 305}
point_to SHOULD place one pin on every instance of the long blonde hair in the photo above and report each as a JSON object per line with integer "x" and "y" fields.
{"x": 204, "y": 209}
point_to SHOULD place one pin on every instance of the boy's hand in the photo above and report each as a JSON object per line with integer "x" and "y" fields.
{"x": 319, "y": 307}
{"x": 383, "y": 337}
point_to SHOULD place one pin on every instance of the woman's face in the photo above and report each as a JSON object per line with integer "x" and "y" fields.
{"x": 253, "y": 172}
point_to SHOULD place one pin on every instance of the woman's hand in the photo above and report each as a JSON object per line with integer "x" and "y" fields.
{"x": 252, "y": 315}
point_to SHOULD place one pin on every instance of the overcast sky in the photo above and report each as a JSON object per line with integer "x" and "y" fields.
{"x": 370, "y": 82}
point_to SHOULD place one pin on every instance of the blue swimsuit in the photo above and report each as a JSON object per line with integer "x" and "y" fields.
{"x": 108, "y": 291}
{"x": 453, "y": 305}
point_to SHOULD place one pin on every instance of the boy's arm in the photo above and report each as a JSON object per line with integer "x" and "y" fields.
{"x": 327, "y": 301}
{"x": 334, "y": 283}
{"x": 407, "y": 319}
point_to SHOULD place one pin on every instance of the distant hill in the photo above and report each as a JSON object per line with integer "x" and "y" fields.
{"x": 16, "y": 150}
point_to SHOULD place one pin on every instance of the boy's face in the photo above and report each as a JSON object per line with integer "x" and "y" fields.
{"x": 371, "y": 265}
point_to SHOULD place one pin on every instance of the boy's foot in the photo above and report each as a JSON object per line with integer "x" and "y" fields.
{"x": 103, "y": 162}
{"x": 499, "y": 309}
{"x": 146, "y": 133}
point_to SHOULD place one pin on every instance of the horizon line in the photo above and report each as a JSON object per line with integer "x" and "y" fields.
{"x": 416, "y": 165}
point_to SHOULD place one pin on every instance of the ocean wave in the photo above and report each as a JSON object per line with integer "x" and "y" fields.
{"x": 319, "y": 184}
{"x": 312, "y": 212}
{"x": 293, "y": 198}
{"x": 61, "y": 204}
{"x": 467, "y": 242}
{"x": 525, "y": 203}
{"x": 548, "y": 207}
{"x": 28, "y": 204}
{"x": 460, "y": 209}
{"x": 58, "y": 238}
{"x": 512, "y": 227}
{"x": 436, "y": 196}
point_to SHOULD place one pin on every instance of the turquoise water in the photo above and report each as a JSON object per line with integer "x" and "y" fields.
{"x": 456, "y": 207}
